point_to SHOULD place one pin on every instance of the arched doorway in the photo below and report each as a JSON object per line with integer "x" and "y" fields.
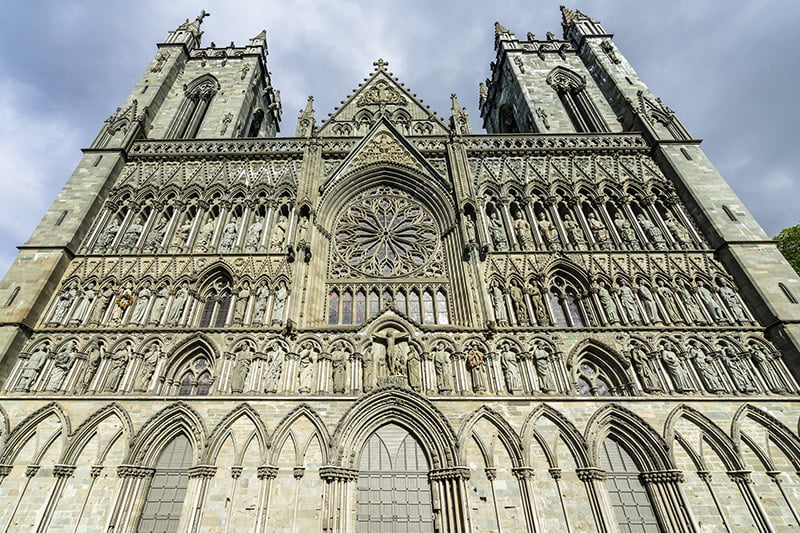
{"x": 394, "y": 494}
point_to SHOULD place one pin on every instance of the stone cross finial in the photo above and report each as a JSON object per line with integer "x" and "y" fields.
{"x": 203, "y": 14}
{"x": 381, "y": 64}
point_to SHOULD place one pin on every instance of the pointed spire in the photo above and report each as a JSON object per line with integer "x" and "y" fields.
{"x": 577, "y": 25}
{"x": 459, "y": 120}
{"x": 499, "y": 28}
{"x": 305, "y": 121}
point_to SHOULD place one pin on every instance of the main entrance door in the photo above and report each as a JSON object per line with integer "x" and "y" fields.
{"x": 394, "y": 494}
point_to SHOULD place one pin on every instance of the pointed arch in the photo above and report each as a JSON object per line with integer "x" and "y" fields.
{"x": 779, "y": 433}
{"x": 27, "y": 427}
{"x": 284, "y": 431}
{"x": 161, "y": 428}
{"x": 197, "y": 98}
{"x": 87, "y": 429}
{"x": 569, "y": 433}
{"x": 505, "y": 432}
{"x": 223, "y": 430}
{"x": 593, "y": 359}
{"x": 722, "y": 445}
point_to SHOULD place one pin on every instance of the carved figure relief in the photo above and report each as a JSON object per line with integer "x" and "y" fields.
{"x": 626, "y": 232}
{"x": 33, "y": 366}
{"x": 131, "y": 236}
{"x": 548, "y": 231}
{"x": 673, "y": 366}
{"x": 510, "y": 366}
{"x": 444, "y": 368}
{"x": 82, "y": 310}
{"x": 497, "y": 232}
{"x": 275, "y": 358}
{"x": 62, "y": 362}
{"x": 574, "y": 232}
{"x": 243, "y": 358}
{"x": 541, "y": 357}
{"x": 253, "y": 235}
{"x": 523, "y": 231}
{"x": 228, "y": 240}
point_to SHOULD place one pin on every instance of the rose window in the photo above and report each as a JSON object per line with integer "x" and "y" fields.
{"x": 383, "y": 233}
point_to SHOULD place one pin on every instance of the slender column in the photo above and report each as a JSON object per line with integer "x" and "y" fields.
{"x": 266, "y": 473}
{"x": 450, "y": 484}
{"x": 337, "y": 487}
{"x": 95, "y": 473}
{"x": 129, "y": 501}
{"x": 616, "y": 238}
{"x": 524, "y": 476}
{"x": 706, "y": 477}
{"x": 593, "y": 479}
{"x": 236, "y": 473}
{"x": 5, "y": 470}
{"x": 30, "y": 471}
{"x": 540, "y": 244}
{"x": 745, "y": 483}
{"x": 644, "y": 239}
{"x": 202, "y": 473}
{"x": 775, "y": 477}
{"x": 511, "y": 235}
{"x": 668, "y": 502}
{"x": 555, "y": 473}
{"x": 62, "y": 473}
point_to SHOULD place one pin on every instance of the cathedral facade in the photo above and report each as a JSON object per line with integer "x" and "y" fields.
{"x": 389, "y": 323}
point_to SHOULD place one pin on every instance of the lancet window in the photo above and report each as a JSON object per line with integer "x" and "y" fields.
{"x": 162, "y": 508}
{"x": 571, "y": 90}
{"x": 196, "y": 101}
{"x": 356, "y": 305}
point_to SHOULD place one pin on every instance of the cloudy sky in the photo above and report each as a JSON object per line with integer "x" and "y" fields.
{"x": 730, "y": 73}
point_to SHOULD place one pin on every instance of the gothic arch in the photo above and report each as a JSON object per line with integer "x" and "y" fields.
{"x": 27, "y": 427}
{"x": 405, "y": 408}
{"x": 641, "y": 441}
{"x": 569, "y": 434}
{"x": 161, "y": 428}
{"x": 565, "y": 79}
{"x": 86, "y": 430}
{"x": 4, "y": 429}
{"x": 606, "y": 360}
{"x": 781, "y": 435}
{"x": 284, "y": 430}
{"x": 505, "y": 432}
{"x": 712, "y": 434}
{"x": 223, "y": 429}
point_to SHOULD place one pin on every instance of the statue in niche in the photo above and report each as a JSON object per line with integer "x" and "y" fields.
{"x": 33, "y": 366}
{"x": 523, "y": 231}
{"x": 518, "y": 303}
{"x": 121, "y": 304}
{"x": 339, "y": 356}
{"x": 510, "y": 366}
{"x": 649, "y": 303}
{"x": 278, "y": 236}
{"x": 156, "y": 235}
{"x": 84, "y": 305}
{"x": 302, "y": 229}
{"x": 477, "y": 367}
{"x": 395, "y": 345}
{"x": 148, "y": 368}
{"x": 677, "y": 373}
{"x": 129, "y": 239}
{"x": 242, "y": 299}
{"x": 243, "y": 358}
{"x": 178, "y": 304}
{"x": 260, "y": 312}
{"x": 253, "y": 235}
{"x": 159, "y": 304}
{"x": 305, "y": 375}
{"x": 574, "y": 232}
{"x": 368, "y": 370}
{"x": 678, "y": 231}
{"x": 641, "y": 365}
{"x": 763, "y": 362}
{"x": 414, "y": 369}
{"x": 541, "y": 358}
{"x": 107, "y": 237}
{"x": 599, "y": 230}
{"x": 607, "y": 303}
{"x": 626, "y": 231}
{"x": 705, "y": 367}
{"x": 689, "y": 303}
{"x": 628, "y": 301}
{"x": 498, "y": 303}
{"x": 732, "y": 302}
{"x": 204, "y": 235}
{"x": 229, "y": 232}
{"x": 62, "y": 361}
{"x": 93, "y": 359}
{"x": 64, "y": 303}
{"x": 140, "y": 310}
{"x": 548, "y": 231}
{"x": 444, "y": 368}
{"x": 181, "y": 235}
{"x": 281, "y": 294}
{"x": 668, "y": 301}
{"x": 497, "y": 232}
{"x": 653, "y": 232}
{"x": 736, "y": 367}
{"x": 104, "y": 300}
{"x": 539, "y": 307}
{"x": 710, "y": 302}
{"x": 275, "y": 359}
{"x": 118, "y": 361}
{"x": 472, "y": 232}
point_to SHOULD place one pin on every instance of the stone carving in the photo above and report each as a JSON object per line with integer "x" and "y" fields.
{"x": 676, "y": 371}
{"x": 118, "y": 361}
{"x": 523, "y": 231}
{"x": 678, "y": 231}
{"x": 82, "y": 310}
{"x": 138, "y": 316}
{"x": 497, "y": 232}
{"x": 33, "y": 366}
{"x": 732, "y": 302}
{"x": 668, "y": 301}
{"x": 518, "y": 303}
{"x": 205, "y": 234}
{"x": 242, "y": 298}
{"x": 93, "y": 359}
{"x": 653, "y": 232}
{"x": 178, "y": 304}
{"x": 737, "y": 369}
{"x": 396, "y": 346}
{"x": 229, "y": 232}
{"x": 62, "y": 361}
{"x": 477, "y": 367}
{"x": 469, "y": 225}
{"x": 381, "y": 94}
{"x": 763, "y": 362}
{"x": 607, "y": 303}
{"x": 159, "y": 304}
{"x": 64, "y": 303}
{"x": 574, "y": 232}
{"x": 510, "y": 366}
{"x": 628, "y": 301}
{"x": 104, "y": 300}
{"x": 148, "y": 368}
{"x": 181, "y": 235}
{"x": 599, "y": 231}
{"x": 339, "y": 357}
{"x": 278, "y": 236}
{"x": 705, "y": 367}
{"x": 305, "y": 374}
{"x": 368, "y": 370}
{"x": 243, "y": 358}
{"x": 156, "y": 234}
{"x": 626, "y": 232}
{"x": 414, "y": 369}
{"x": 281, "y": 294}
{"x": 131, "y": 236}
{"x": 689, "y": 303}
{"x": 444, "y": 368}
{"x": 274, "y": 371}
{"x": 539, "y": 307}
{"x": 541, "y": 358}
{"x": 641, "y": 365}
{"x": 709, "y": 302}
{"x": 548, "y": 231}
{"x": 498, "y": 303}
{"x": 260, "y": 312}
{"x": 107, "y": 237}
{"x": 649, "y": 303}
{"x": 253, "y": 235}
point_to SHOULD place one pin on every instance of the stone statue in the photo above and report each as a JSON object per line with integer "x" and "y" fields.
{"x": 139, "y": 312}
{"x": 302, "y": 229}
{"x": 444, "y": 368}
{"x": 275, "y": 359}
{"x": 368, "y": 370}
{"x": 306, "y": 373}
{"x": 574, "y": 232}
{"x": 62, "y": 361}
{"x": 118, "y": 311}
{"x": 131, "y": 236}
{"x": 33, "y": 366}
{"x": 414, "y": 370}
{"x": 107, "y": 237}
{"x": 675, "y": 369}
{"x": 159, "y": 304}
{"x": 84, "y": 305}
{"x": 523, "y": 231}
{"x": 649, "y": 303}
{"x": 148, "y": 368}
{"x": 689, "y": 303}
{"x": 668, "y": 301}
{"x": 763, "y": 362}
{"x": 628, "y": 301}
{"x": 510, "y": 366}
{"x": 541, "y": 358}
{"x": 705, "y": 367}
{"x": 498, "y": 303}
{"x": 497, "y": 232}
{"x": 339, "y": 357}
{"x": 253, "y": 235}
{"x": 241, "y": 366}
{"x": 641, "y": 366}
{"x": 281, "y": 294}
{"x": 599, "y": 230}
{"x": 259, "y": 314}
{"x": 678, "y": 231}
{"x": 539, "y": 309}
{"x": 181, "y": 235}
{"x": 608, "y": 304}
{"x": 518, "y": 303}
{"x": 204, "y": 236}
{"x": 477, "y": 367}
{"x": 156, "y": 235}
{"x": 737, "y": 369}
{"x": 472, "y": 232}
{"x": 626, "y": 231}
{"x": 548, "y": 231}
{"x": 64, "y": 304}
{"x": 732, "y": 302}
{"x": 653, "y": 232}
{"x": 278, "y": 236}
{"x": 99, "y": 310}
{"x": 710, "y": 302}
{"x": 229, "y": 232}
{"x": 178, "y": 304}
{"x": 395, "y": 357}
{"x": 93, "y": 359}
{"x": 118, "y": 362}
{"x": 242, "y": 298}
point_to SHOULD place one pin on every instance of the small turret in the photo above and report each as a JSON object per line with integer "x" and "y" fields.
{"x": 305, "y": 121}
{"x": 576, "y": 25}
{"x": 188, "y": 33}
{"x": 459, "y": 119}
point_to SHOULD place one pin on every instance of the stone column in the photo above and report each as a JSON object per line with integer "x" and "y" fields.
{"x": 336, "y": 500}
{"x": 61, "y": 473}
{"x": 524, "y": 476}
{"x": 555, "y": 473}
{"x": 450, "y": 499}
{"x": 706, "y": 477}
{"x": 668, "y": 502}
{"x": 266, "y": 473}
{"x": 745, "y": 483}
{"x": 201, "y": 474}
{"x": 594, "y": 481}
{"x": 130, "y": 499}
{"x": 775, "y": 476}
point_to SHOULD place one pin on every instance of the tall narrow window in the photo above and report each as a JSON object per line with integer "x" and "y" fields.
{"x": 427, "y": 308}
{"x": 361, "y": 307}
{"x": 441, "y": 308}
{"x": 208, "y": 312}
{"x": 786, "y": 292}
{"x": 401, "y": 302}
{"x": 16, "y": 291}
{"x": 730, "y": 214}
{"x": 222, "y": 310}
{"x": 162, "y": 508}
{"x": 413, "y": 306}
{"x": 374, "y": 304}
{"x": 627, "y": 496}
{"x": 556, "y": 303}
{"x": 571, "y": 89}
{"x": 333, "y": 308}
{"x": 347, "y": 308}
{"x": 190, "y": 115}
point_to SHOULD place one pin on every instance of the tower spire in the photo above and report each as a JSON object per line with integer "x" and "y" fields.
{"x": 577, "y": 25}
{"x": 459, "y": 120}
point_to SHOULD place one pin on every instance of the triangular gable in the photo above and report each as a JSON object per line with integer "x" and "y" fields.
{"x": 382, "y": 95}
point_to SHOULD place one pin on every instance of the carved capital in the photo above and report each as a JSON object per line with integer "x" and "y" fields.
{"x": 96, "y": 471}
{"x": 5, "y": 470}
{"x": 456, "y": 472}
{"x": 31, "y": 470}
{"x": 555, "y": 473}
{"x": 591, "y": 474}
{"x": 236, "y": 472}
{"x": 267, "y": 472}
{"x": 206, "y": 471}
{"x": 63, "y": 470}
{"x": 741, "y": 477}
{"x": 135, "y": 471}
{"x": 335, "y": 473}
{"x": 523, "y": 472}
{"x": 491, "y": 473}
{"x": 662, "y": 476}
{"x": 299, "y": 472}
